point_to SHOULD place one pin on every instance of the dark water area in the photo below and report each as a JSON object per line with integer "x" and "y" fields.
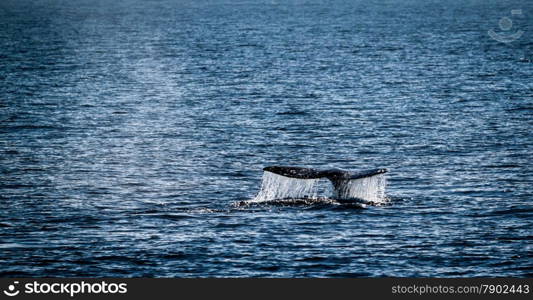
{"x": 129, "y": 130}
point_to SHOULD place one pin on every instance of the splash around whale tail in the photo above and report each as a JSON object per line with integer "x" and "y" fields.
{"x": 365, "y": 185}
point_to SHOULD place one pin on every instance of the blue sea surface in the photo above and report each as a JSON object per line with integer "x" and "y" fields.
{"x": 129, "y": 130}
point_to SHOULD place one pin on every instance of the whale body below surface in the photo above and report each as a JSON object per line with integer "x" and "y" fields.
{"x": 342, "y": 180}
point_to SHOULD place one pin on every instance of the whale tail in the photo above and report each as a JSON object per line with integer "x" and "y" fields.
{"x": 342, "y": 180}
{"x": 331, "y": 174}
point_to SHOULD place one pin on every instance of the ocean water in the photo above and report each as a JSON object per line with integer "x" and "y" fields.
{"x": 130, "y": 129}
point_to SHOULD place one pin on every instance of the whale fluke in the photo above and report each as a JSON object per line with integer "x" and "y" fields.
{"x": 331, "y": 174}
{"x": 295, "y": 172}
{"x": 340, "y": 179}
{"x": 368, "y": 173}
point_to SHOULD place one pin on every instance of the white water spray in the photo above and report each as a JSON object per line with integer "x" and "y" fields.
{"x": 277, "y": 187}
{"x": 370, "y": 189}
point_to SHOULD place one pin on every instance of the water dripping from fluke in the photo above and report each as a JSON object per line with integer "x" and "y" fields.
{"x": 290, "y": 186}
